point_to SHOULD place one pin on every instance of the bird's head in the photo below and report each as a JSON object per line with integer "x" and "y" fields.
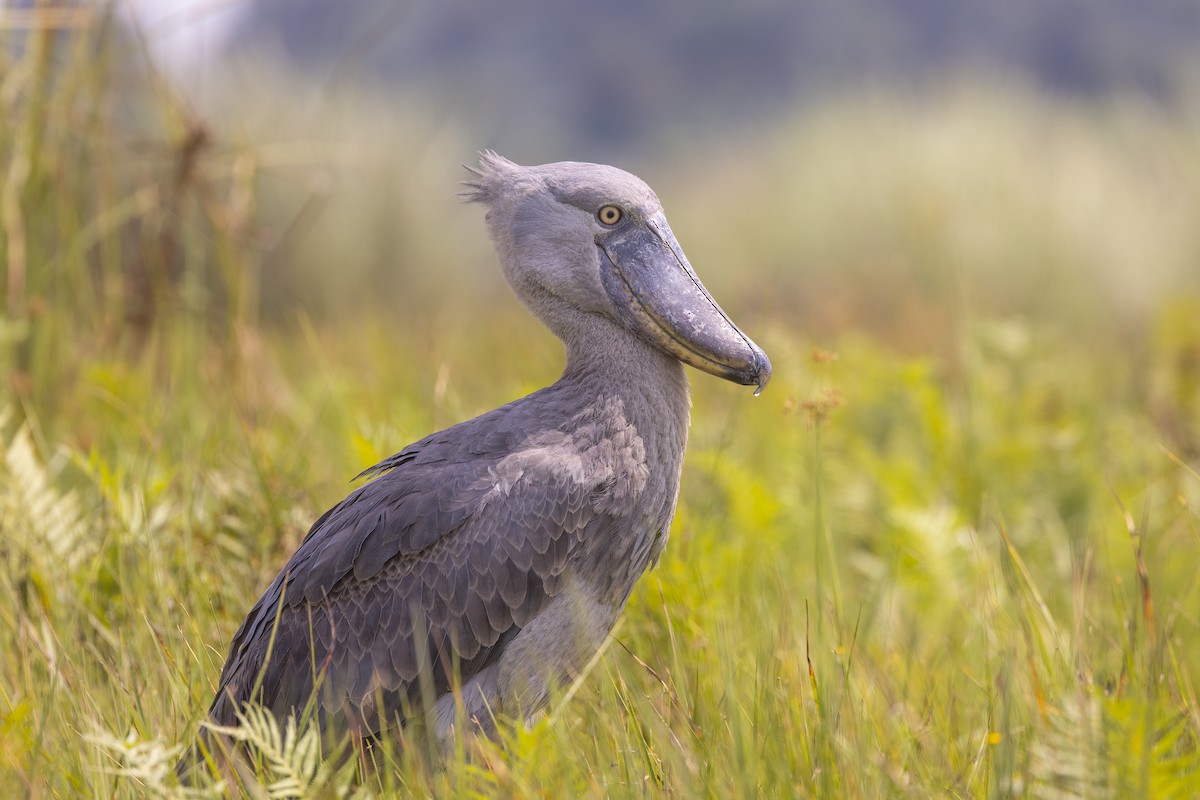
{"x": 590, "y": 238}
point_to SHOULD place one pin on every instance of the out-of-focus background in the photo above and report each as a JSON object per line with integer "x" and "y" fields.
{"x": 949, "y": 551}
{"x": 881, "y": 165}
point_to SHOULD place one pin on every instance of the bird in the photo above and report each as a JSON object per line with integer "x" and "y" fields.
{"x": 485, "y": 564}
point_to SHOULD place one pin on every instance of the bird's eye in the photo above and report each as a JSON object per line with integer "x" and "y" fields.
{"x": 609, "y": 215}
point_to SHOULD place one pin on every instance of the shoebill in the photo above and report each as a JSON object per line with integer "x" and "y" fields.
{"x": 495, "y": 556}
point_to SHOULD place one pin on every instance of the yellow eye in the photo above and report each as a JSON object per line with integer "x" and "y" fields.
{"x": 609, "y": 215}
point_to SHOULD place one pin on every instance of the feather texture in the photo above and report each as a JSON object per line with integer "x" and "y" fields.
{"x": 436, "y": 560}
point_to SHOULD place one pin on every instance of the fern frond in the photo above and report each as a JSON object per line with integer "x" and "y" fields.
{"x": 1069, "y": 757}
{"x": 291, "y": 756}
{"x": 39, "y": 518}
{"x": 150, "y": 765}
{"x": 1108, "y": 748}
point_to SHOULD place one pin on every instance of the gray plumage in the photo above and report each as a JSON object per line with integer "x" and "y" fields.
{"x": 500, "y": 552}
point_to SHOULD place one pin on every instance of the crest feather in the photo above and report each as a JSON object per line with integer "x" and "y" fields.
{"x": 487, "y": 178}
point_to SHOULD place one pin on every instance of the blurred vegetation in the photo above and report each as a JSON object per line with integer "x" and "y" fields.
{"x": 950, "y": 551}
{"x": 604, "y": 78}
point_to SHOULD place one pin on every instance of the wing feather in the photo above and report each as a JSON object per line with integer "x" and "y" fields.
{"x": 438, "y": 560}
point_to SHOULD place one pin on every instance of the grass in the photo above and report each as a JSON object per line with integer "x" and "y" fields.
{"x": 950, "y": 552}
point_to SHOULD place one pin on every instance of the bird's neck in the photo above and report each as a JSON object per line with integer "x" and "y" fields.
{"x": 605, "y": 360}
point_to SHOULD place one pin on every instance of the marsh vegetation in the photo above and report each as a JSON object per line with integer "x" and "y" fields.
{"x": 951, "y": 551}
